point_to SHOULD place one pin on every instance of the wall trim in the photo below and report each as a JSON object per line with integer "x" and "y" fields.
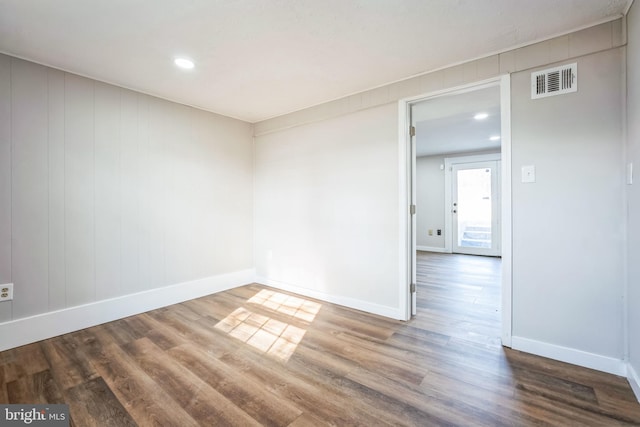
{"x": 406, "y": 260}
{"x": 431, "y": 249}
{"x": 369, "y": 307}
{"x": 28, "y": 330}
{"x": 585, "y": 359}
{"x": 634, "y": 380}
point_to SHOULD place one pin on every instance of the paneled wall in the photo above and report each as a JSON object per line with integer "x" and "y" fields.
{"x": 106, "y": 192}
{"x": 633, "y": 191}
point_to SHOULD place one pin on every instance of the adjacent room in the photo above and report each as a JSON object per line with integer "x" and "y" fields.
{"x": 458, "y": 223}
{"x": 293, "y": 213}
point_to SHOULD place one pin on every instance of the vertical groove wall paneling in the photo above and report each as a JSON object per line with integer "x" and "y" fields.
{"x": 129, "y": 191}
{"x": 159, "y": 115}
{"x": 5, "y": 181}
{"x": 180, "y": 190}
{"x": 30, "y": 188}
{"x": 108, "y": 208}
{"x": 106, "y": 192}
{"x": 144, "y": 199}
{"x": 79, "y": 190}
{"x": 230, "y": 162}
{"x": 206, "y": 259}
{"x": 56, "y": 190}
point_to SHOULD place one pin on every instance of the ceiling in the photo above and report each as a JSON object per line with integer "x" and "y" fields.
{"x": 257, "y": 59}
{"x": 446, "y": 124}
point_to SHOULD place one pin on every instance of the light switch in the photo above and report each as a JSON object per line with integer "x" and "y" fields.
{"x": 528, "y": 173}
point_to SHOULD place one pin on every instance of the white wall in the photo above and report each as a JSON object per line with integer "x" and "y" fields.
{"x": 430, "y": 193}
{"x": 326, "y": 209}
{"x": 633, "y": 191}
{"x": 568, "y": 226}
{"x": 105, "y": 192}
{"x": 568, "y": 242}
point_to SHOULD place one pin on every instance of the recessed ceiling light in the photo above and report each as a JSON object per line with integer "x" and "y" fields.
{"x": 494, "y": 138}
{"x": 184, "y": 63}
{"x": 481, "y": 116}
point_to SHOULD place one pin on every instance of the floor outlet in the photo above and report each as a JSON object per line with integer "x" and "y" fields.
{"x": 6, "y": 292}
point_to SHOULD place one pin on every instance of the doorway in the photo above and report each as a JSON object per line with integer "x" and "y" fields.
{"x": 490, "y": 235}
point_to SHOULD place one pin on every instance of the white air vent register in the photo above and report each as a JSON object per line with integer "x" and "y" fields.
{"x": 554, "y": 81}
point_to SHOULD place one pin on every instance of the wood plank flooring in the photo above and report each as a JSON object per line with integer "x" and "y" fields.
{"x": 259, "y": 356}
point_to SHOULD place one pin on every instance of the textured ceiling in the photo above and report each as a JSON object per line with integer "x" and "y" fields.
{"x": 257, "y": 59}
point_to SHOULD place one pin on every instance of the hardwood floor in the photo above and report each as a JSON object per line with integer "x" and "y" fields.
{"x": 258, "y": 356}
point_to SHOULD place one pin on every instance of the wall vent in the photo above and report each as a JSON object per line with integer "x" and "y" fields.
{"x": 554, "y": 81}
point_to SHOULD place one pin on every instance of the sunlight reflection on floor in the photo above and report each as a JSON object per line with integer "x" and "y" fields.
{"x": 271, "y": 336}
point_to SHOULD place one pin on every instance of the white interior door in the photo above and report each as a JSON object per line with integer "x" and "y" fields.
{"x": 475, "y": 208}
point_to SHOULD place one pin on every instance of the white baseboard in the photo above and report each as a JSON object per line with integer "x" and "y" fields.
{"x": 430, "y": 249}
{"x": 382, "y": 310}
{"x": 570, "y": 355}
{"x": 634, "y": 380}
{"x": 47, "y": 325}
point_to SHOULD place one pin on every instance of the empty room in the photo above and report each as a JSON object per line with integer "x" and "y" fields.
{"x": 307, "y": 213}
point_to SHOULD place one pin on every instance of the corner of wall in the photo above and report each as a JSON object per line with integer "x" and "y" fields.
{"x": 357, "y": 304}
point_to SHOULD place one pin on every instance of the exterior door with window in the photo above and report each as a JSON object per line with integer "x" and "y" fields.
{"x": 475, "y": 208}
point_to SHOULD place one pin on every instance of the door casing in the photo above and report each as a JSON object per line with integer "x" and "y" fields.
{"x": 406, "y": 166}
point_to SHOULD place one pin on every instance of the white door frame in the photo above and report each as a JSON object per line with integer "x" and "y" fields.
{"x": 448, "y": 184}
{"x": 406, "y": 198}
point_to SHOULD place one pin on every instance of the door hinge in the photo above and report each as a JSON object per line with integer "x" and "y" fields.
{"x": 412, "y": 131}
{"x": 412, "y": 209}
{"x": 412, "y": 287}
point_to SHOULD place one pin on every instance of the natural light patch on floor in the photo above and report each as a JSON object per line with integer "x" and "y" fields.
{"x": 271, "y": 336}
{"x": 288, "y": 305}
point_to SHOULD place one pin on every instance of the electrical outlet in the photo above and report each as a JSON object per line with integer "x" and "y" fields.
{"x": 439, "y": 232}
{"x": 430, "y": 232}
{"x": 6, "y": 292}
